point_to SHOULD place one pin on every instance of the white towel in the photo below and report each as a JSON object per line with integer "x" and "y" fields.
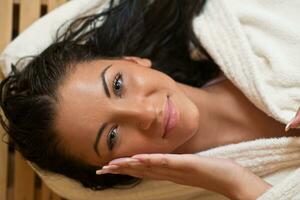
{"x": 257, "y": 45}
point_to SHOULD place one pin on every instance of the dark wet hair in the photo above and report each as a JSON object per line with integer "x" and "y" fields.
{"x": 158, "y": 30}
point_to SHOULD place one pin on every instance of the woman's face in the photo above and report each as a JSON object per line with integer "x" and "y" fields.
{"x": 115, "y": 108}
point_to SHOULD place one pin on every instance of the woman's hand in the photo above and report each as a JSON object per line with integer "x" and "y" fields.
{"x": 220, "y": 175}
{"x": 295, "y": 122}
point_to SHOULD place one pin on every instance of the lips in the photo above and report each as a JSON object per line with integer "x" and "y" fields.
{"x": 166, "y": 116}
{"x": 170, "y": 117}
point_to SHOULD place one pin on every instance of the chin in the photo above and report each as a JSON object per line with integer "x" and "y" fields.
{"x": 193, "y": 125}
{"x": 184, "y": 141}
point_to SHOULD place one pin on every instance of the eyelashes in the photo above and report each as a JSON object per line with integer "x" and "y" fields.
{"x": 111, "y": 139}
{"x": 118, "y": 84}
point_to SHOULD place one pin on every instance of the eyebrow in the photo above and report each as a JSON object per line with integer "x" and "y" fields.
{"x": 98, "y": 138}
{"x": 104, "y": 82}
{"x": 102, "y": 128}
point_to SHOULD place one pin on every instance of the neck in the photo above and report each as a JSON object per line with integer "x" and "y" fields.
{"x": 226, "y": 117}
{"x": 216, "y": 117}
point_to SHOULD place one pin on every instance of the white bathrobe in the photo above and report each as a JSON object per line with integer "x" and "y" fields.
{"x": 257, "y": 45}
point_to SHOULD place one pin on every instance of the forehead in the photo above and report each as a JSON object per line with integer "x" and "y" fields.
{"x": 82, "y": 107}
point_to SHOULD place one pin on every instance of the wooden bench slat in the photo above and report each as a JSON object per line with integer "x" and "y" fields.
{"x": 30, "y": 11}
{"x": 3, "y": 168}
{"x": 6, "y": 14}
{"x": 56, "y": 197}
{"x": 52, "y": 4}
{"x": 45, "y": 192}
{"x": 44, "y": 2}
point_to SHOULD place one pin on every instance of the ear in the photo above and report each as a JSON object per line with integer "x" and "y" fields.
{"x": 141, "y": 61}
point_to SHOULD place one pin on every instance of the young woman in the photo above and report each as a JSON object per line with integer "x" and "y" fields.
{"x": 130, "y": 87}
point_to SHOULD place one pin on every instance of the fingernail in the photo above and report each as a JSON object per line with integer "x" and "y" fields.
{"x": 288, "y": 126}
{"x": 110, "y": 167}
{"x": 107, "y": 169}
{"x": 101, "y": 171}
{"x": 121, "y": 160}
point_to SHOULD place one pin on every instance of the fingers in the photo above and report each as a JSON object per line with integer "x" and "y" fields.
{"x": 186, "y": 169}
{"x": 170, "y": 161}
{"x": 153, "y": 166}
{"x": 148, "y": 160}
{"x": 157, "y": 160}
{"x": 295, "y": 122}
{"x": 136, "y": 168}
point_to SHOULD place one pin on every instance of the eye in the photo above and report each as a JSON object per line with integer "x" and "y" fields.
{"x": 112, "y": 137}
{"x": 118, "y": 84}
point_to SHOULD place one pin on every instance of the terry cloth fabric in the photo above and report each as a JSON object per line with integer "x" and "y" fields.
{"x": 257, "y": 45}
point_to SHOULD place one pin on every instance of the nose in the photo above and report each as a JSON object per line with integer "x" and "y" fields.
{"x": 140, "y": 113}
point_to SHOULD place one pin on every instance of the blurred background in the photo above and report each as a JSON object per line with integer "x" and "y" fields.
{"x": 17, "y": 180}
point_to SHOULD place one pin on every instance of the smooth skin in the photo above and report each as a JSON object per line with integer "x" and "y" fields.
{"x": 138, "y": 111}
{"x": 209, "y": 117}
